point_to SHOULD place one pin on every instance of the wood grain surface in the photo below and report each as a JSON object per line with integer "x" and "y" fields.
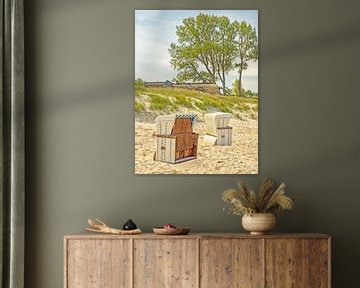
{"x": 287, "y": 263}
{"x": 89, "y": 235}
{"x": 319, "y": 263}
{"x": 98, "y": 264}
{"x": 197, "y": 260}
{"x": 231, "y": 263}
{"x": 165, "y": 263}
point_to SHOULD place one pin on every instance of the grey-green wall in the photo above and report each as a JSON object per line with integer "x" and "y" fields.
{"x": 80, "y": 127}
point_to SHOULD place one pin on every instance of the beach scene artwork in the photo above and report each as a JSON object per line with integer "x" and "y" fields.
{"x": 196, "y": 92}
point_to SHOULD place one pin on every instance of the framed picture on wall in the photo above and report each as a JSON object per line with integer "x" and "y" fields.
{"x": 196, "y": 91}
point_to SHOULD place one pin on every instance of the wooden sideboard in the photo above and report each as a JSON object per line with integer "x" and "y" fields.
{"x": 197, "y": 260}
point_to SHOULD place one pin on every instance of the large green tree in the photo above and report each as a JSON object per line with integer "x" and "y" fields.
{"x": 247, "y": 48}
{"x": 206, "y": 49}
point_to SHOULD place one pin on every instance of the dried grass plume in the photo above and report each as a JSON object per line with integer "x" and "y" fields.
{"x": 267, "y": 200}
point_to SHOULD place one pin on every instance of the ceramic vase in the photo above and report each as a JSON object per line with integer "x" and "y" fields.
{"x": 259, "y": 223}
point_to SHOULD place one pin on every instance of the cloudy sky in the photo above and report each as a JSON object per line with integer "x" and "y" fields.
{"x": 156, "y": 29}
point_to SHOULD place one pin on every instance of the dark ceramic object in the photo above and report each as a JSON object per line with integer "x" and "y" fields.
{"x": 129, "y": 225}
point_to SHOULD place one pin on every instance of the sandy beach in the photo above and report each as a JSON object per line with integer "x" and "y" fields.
{"x": 239, "y": 158}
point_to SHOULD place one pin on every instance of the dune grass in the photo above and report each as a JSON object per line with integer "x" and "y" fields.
{"x": 170, "y": 99}
{"x": 139, "y": 106}
{"x": 160, "y": 102}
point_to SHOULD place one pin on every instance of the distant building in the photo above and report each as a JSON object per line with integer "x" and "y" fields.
{"x": 166, "y": 83}
{"x": 210, "y": 88}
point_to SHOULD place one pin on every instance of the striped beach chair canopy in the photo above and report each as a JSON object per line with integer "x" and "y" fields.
{"x": 192, "y": 117}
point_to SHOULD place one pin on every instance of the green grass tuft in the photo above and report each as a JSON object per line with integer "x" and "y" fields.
{"x": 160, "y": 102}
{"x": 139, "y": 106}
{"x": 201, "y": 105}
{"x": 183, "y": 101}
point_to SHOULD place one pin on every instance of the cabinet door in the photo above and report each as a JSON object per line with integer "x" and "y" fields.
{"x": 167, "y": 263}
{"x": 320, "y": 263}
{"x": 231, "y": 263}
{"x": 98, "y": 263}
{"x": 287, "y": 263}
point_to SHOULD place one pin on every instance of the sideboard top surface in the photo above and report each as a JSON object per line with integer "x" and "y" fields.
{"x": 87, "y": 235}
